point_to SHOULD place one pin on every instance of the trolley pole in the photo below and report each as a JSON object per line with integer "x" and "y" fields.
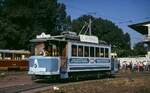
{"x": 90, "y": 22}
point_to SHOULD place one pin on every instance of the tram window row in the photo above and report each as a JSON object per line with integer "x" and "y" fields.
{"x": 13, "y": 56}
{"x": 89, "y": 51}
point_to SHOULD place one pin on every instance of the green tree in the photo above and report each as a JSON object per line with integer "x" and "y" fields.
{"x": 139, "y": 49}
{"x": 106, "y": 31}
{"x": 21, "y": 20}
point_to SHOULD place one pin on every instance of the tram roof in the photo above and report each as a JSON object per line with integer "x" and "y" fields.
{"x": 60, "y": 39}
{"x": 15, "y": 51}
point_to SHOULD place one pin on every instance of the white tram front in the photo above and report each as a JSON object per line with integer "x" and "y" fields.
{"x": 66, "y": 54}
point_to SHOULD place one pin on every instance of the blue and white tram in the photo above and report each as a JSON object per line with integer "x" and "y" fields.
{"x": 64, "y": 55}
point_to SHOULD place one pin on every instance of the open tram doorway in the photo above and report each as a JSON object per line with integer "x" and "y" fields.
{"x": 59, "y": 48}
{"x": 53, "y": 48}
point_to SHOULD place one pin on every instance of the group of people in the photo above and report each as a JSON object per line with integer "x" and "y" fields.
{"x": 136, "y": 67}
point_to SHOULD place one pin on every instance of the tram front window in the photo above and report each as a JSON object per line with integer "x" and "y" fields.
{"x": 43, "y": 49}
{"x": 39, "y": 48}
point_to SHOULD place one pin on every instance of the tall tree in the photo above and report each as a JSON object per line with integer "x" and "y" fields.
{"x": 106, "y": 31}
{"x": 139, "y": 49}
{"x": 21, "y": 20}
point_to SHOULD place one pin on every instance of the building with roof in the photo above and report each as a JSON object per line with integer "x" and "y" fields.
{"x": 144, "y": 29}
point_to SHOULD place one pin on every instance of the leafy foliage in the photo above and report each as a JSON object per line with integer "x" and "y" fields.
{"x": 139, "y": 49}
{"x": 106, "y": 31}
{"x": 21, "y": 20}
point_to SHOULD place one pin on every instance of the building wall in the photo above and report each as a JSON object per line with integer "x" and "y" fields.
{"x": 134, "y": 60}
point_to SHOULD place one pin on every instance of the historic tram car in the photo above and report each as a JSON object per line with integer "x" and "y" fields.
{"x": 14, "y": 59}
{"x": 69, "y": 55}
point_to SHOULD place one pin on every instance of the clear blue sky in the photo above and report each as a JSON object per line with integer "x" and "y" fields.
{"x": 121, "y": 12}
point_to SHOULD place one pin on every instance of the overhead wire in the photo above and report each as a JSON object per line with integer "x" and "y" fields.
{"x": 117, "y": 19}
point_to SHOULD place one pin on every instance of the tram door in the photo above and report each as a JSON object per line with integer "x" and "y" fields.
{"x": 63, "y": 67}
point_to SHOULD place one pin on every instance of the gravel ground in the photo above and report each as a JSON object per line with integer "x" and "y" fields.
{"x": 8, "y": 79}
{"x": 20, "y": 82}
{"x": 127, "y": 82}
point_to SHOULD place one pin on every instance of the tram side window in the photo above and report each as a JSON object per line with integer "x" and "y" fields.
{"x": 102, "y": 52}
{"x": 2, "y": 56}
{"x": 91, "y": 51}
{"x": 8, "y": 56}
{"x": 86, "y": 51}
{"x": 17, "y": 56}
{"x": 52, "y": 50}
{"x": 74, "y": 50}
{"x": 106, "y": 52}
{"x": 97, "y": 52}
{"x": 56, "y": 50}
{"x": 80, "y": 51}
{"x": 24, "y": 56}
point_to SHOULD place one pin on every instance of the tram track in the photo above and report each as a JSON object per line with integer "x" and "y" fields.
{"x": 24, "y": 88}
{"x": 34, "y": 87}
{"x": 38, "y": 86}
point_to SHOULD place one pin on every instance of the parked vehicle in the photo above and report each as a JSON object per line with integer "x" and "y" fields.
{"x": 14, "y": 59}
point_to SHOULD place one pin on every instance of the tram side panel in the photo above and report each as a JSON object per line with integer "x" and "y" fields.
{"x": 44, "y": 66}
{"x": 87, "y": 64}
{"x": 13, "y": 64}
{"x": 77, "y": 64}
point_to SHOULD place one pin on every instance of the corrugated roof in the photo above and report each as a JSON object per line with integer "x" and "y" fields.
{"x": 15, "y": 51}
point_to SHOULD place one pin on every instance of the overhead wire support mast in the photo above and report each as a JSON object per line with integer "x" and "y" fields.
{"x": 90, "y": 26}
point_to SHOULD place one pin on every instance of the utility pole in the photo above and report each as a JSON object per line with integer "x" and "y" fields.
{"x": 90, "y": 22}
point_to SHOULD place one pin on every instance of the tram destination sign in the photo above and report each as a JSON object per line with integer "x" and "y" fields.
{"x": 91, "y": 39}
